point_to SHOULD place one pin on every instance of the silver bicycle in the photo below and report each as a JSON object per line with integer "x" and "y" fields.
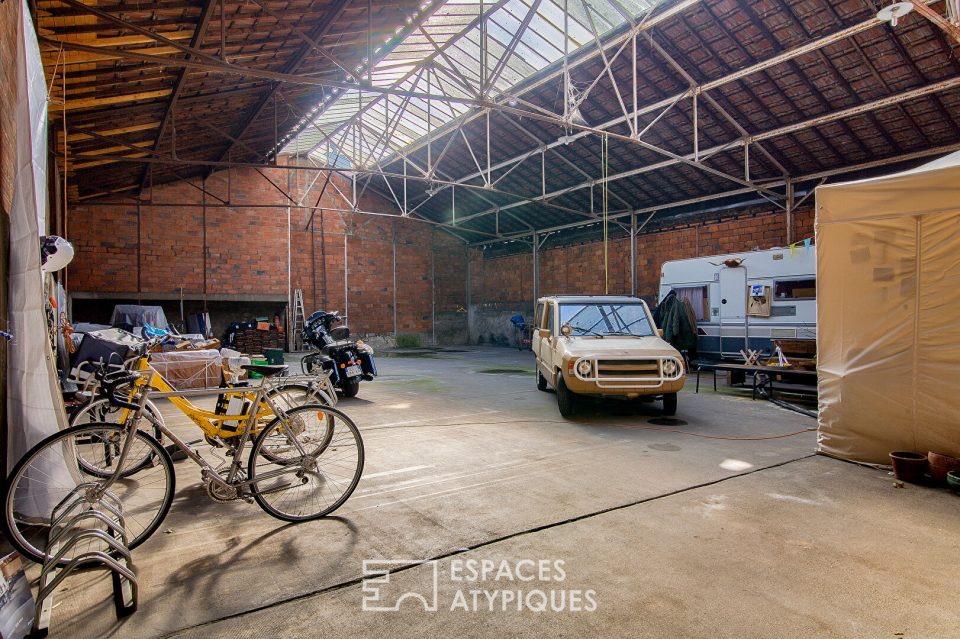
{"x": 304, "y": 461}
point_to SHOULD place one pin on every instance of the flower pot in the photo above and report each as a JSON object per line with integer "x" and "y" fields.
{"x": 909, "y": 466}
{"x": 940, "y": 465}
{"x": 953, "y": 481}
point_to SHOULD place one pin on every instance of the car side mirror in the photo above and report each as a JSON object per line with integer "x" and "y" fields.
{"x": 566, "y": 330}
{"x": 660, "y": 332}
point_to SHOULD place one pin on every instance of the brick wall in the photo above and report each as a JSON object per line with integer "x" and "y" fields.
{"x": 344, "y": 260}
{"x": 504, "y": 285}
{"x": 240, "y": 251}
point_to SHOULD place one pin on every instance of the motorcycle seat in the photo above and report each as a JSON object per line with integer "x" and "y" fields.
{"x": 267, "y": 370}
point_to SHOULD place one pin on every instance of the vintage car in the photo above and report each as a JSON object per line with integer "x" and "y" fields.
{"x": 605, "y": 346}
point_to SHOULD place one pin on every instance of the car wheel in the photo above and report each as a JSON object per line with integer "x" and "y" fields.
{"x": 670, "y": 404}
{"x": 566, "y": 400}
{"x": 541, "y": 382}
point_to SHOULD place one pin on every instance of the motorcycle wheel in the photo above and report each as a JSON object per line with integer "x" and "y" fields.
{"x": 350, "y": 387}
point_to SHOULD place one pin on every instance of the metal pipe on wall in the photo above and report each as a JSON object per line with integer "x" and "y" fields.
{"x": 633, "y": 254}
{"x": 536, "y": 270}
{"x": 203, "y": 183}
{"x": 139, "y": 243}
{"x": 789, "y": 211}
{"x": 468, "y": 285}
{"x": 289, "y": 317}
{"x": 394, "y": 280}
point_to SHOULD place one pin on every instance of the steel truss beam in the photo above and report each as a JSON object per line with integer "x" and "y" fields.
{"x": 820, "y": 175}
{"x": 694, "y": 159}
{"x": 774, "y": 133}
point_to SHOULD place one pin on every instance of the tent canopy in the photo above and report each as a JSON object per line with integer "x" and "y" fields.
{"x": 888, "y": 337}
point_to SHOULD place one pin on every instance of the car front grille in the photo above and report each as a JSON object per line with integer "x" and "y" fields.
{"x": 638, "y": 368}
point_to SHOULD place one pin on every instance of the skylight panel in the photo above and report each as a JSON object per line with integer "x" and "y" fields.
{"x": 404, "y": 68}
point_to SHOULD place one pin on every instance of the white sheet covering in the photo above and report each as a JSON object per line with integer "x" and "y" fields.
{"x": 34, "y": 406}
{"x": 888, "y": 302}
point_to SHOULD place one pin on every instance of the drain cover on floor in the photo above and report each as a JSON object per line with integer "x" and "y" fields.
{"x": 666, "y": 421}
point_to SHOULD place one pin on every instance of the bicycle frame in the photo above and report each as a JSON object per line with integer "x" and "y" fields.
{"x": 213, "y": 424}
{"x": 247, "y": 428}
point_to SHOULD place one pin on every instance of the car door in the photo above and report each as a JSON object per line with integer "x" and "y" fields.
{"x": 535, "y": 337}
{"x": 547, "y": 336}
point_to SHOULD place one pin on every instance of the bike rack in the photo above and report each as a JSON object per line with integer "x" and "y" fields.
{"x": 74, "y": 520}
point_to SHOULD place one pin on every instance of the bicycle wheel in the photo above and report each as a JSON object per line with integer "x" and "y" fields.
{"x": 289, "y": 396}
{"x": 50, "y": 471}
{"x": 102, "y": 411}
{"x": 296, "y": 486}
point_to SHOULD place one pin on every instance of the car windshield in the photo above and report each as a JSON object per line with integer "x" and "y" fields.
{"x": 606, "y": 319}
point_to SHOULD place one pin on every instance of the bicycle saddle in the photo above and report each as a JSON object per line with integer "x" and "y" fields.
{"x": 267, "y": 370}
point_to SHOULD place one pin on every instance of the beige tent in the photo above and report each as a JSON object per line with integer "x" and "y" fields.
{"x": 888, "y": 313}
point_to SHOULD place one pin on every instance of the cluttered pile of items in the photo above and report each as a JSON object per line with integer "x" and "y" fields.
{"x": 185, "y": 360}
{"x": 255, "y": 336}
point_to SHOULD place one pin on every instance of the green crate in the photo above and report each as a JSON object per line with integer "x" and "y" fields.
{"x": 261, "y": 362}
{"x": 273, "y": 355}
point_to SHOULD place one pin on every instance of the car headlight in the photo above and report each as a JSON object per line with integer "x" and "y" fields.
{"x": 584, "y": 368}
{"x": 670, "y": 367}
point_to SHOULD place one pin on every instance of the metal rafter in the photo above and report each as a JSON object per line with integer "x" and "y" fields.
{"x": 736, "y": 192}
{"x": 695, "y": 89}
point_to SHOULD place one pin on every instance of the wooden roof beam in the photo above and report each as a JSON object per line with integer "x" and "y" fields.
{"x": 335, "y": 12}
{"x": 202, "y": 25}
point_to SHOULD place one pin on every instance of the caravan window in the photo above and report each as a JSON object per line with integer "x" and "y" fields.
{"x": 801, "y": 289}
{"x": 698, "y": 299}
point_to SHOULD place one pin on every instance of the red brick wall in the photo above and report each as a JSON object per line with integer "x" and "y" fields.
{"x": 242, "y": 250}
{"x": 578, "y": 269}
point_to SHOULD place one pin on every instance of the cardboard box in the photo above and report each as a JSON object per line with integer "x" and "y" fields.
{"x": 189, "y": 369}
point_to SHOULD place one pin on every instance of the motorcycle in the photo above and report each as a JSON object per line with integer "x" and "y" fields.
{"x": 349, "y": 361}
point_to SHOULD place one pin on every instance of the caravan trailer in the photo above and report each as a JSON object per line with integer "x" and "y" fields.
{"x": 744, "y": 300}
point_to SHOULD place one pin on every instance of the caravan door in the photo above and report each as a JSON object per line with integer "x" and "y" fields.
{"x": 733, "y": 310}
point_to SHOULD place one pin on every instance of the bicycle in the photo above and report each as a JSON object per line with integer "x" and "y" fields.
{"x": 315, "y": 388}
{"x": 303, "y": 464}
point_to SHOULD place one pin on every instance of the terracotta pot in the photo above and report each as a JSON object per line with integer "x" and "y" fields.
{"x": 909, "y": 466}
{"x": 940, "y": 465}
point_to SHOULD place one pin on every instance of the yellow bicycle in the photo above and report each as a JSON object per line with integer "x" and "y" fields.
{"x": 304, "y": 461}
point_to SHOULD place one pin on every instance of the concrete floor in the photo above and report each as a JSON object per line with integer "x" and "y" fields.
{"x": 675, "y": 534}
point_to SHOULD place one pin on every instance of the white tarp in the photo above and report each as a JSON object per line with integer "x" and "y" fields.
{"x": 34, "y": 407}
{"x": 888, "y": 301}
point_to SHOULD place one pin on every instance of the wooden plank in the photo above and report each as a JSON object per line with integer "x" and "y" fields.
{"x": 79, "y": 137}
{"x": 87, "y": 103}
{"x": 86, "y": 165}
{"x": 49, "y": 56}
